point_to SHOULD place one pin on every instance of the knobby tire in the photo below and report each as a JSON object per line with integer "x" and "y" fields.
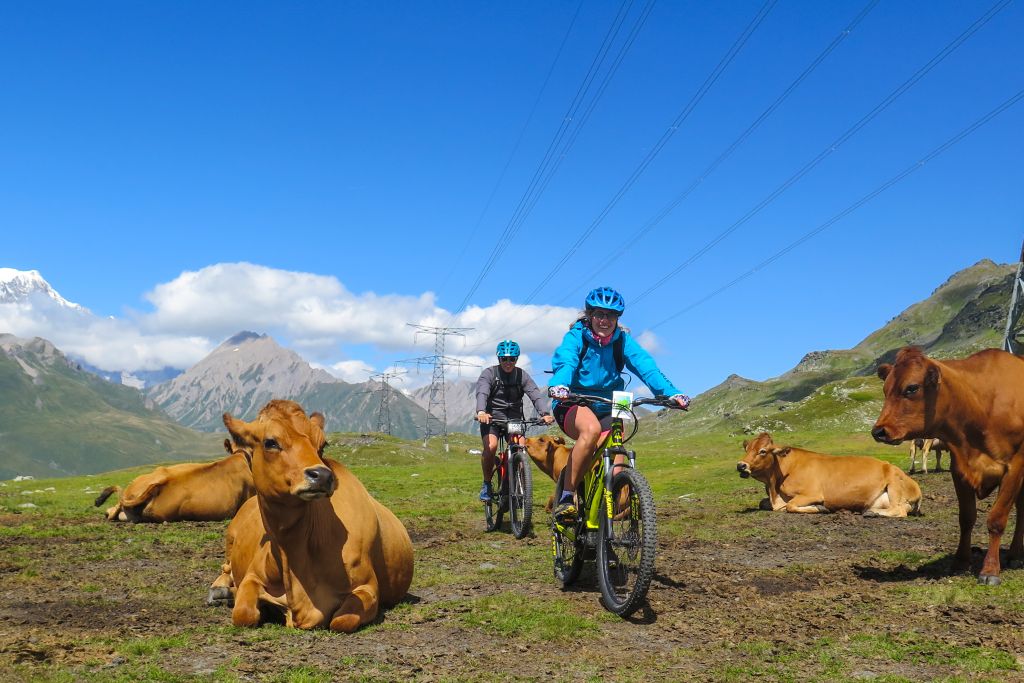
{"x": 520, "y": 484}
{"x": 493, "y": 509}
{"x": 625, "y": 557}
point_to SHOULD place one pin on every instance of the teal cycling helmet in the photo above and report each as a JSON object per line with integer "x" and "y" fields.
{"x": 606, "y": 297}
{"x": 507, "y": 349}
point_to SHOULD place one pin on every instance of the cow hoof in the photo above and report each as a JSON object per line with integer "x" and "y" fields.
{"x": 765, "y": 504}
{"x": 220, "y": 597}
{"x": 989, "y": 580}
{"x": 1015, "y": 562}
{"x": 870, "y": 513}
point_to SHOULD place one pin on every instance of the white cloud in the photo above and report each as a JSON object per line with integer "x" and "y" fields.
{"x": 314, "y": 314}
{"x": 352, "y": 371}
{"x": 649, "y": 341}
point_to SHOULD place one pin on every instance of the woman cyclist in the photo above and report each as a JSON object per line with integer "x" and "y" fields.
{"x": 499, "y": 395}
{"x": 590, "y": 361}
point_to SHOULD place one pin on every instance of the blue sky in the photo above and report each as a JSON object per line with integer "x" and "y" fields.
{"x": 189, "y": 168}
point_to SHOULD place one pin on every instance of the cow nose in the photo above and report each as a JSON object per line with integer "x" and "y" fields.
{"x": 320, "y": 477}
{"x": 879, "y": 433}
{"x": 742, "y": 467}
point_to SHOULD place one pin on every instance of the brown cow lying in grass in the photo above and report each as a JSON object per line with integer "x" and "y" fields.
{"x": 199, "y": 492}
{"x": 976, "y": 405}
{"x": 803, "y": 481}
{"x": 312, "y": 544}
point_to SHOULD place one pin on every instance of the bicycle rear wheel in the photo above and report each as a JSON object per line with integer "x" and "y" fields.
{"x": 520, "y": 493}
{"x": 567, "y": 546}
{"x": 628, "y": 544}
{"x": 494, "y": 509}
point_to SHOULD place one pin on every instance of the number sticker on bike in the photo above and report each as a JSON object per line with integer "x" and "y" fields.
{"x": 622, "y": 404}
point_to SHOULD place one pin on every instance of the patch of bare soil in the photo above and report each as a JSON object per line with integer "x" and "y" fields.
{"x": 731, "y": 586}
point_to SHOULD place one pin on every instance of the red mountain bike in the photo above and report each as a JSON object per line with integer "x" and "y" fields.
{"x": 512, "y": 480}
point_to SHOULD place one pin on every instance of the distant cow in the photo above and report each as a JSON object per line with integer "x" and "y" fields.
{"x": 550, "y": 454}
{"x": 797, "y": 480}
{"x": 312, "y": 543}
{"x": 976, "y": 405}
{"x": 924, "y": 447}
{"x": 189, "y": 491}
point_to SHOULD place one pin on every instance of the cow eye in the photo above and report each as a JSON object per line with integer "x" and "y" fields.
{"x": 271, "y": 445}
{"x": 762, "y": 451}
{"x": 911, "y": 389}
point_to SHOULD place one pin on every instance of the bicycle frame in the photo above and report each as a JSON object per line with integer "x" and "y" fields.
{"x": 600, "y": 475}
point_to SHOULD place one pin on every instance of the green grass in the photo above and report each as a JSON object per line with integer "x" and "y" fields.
{"x": 514, "y": 615}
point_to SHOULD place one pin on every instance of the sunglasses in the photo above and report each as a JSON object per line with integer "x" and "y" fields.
{"x": 604, "y": 315}
{"x": 506, "y": 359}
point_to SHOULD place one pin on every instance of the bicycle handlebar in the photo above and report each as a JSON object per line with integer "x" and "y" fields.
{"x": 532, "y": 422}
{"x": 662, "y": 401}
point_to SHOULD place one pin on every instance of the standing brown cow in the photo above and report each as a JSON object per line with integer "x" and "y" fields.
{"x": 976, "y": 405}
{"x": 924, "y": 447}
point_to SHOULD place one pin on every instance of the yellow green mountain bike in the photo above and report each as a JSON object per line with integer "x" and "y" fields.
{"x": 617, "y": 520}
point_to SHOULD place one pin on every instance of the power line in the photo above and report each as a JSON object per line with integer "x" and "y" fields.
{"x": 681, "y": 197}
{"x": 515, "y": 148}
{"x": 853, "y": 207}
{"x": 660, "y": 144}
{"x": 853, "y": 130}
{"x": 553, "y": 158}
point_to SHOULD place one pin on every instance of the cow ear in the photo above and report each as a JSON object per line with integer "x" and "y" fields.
{"x": 240, "y": 433}
{"x": 745, "y": 442}
{"x": 317, "y": 419}
{"x": 932, "y": 376}
{"x": 883, "y": 371}
{"x": 781, "y": 452}
{"x": 227, "y": 446}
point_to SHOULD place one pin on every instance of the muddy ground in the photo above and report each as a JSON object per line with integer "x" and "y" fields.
{"x": 739, "y": 594}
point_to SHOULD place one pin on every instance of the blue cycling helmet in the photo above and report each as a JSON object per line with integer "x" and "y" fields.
{"x": 605, "y": 297}
{"x": 507, "y": 348}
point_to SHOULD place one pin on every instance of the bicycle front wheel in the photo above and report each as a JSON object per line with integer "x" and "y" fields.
{"x": 494, "y": 510}
{"x": 628, "y": 544}
{"x": 520, "y": 494}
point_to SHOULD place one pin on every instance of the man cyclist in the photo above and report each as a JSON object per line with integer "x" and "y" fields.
{"x": 499, "y": 396}
{"x": 590, "y": 361}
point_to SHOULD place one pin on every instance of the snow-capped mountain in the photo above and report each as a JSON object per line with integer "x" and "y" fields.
{"x": 26, "y": 286}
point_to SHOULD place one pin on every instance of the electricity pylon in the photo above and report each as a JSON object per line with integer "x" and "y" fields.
{"x": 437, "y": 413}
{"x": 1010, "y": 342}
{"x": 384, "y": 411}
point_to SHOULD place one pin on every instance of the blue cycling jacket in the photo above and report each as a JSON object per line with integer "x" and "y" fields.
{"x": 596, "y": 373}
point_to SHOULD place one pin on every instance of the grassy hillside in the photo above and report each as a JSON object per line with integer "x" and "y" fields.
{"x": 56, "y": 419}
{"x": 836, "y": 390}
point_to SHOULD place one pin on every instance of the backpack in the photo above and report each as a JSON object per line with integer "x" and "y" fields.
{"x": 513, "y": 394}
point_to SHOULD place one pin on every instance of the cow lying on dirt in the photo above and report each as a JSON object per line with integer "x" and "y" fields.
{"x": 550, "y": 454}
{"x": 924, "y": 447}
{"x": 976, "y": 405}
{"x": 803, "y": 481}
{"x": 312, "y": 543}
{"x": 200, "y": 492}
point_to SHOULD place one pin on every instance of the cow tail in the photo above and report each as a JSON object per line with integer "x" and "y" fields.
{"x": 106, "y": 494}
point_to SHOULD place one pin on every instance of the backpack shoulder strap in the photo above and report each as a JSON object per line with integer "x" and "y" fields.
{"x": 618, "y": 348}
